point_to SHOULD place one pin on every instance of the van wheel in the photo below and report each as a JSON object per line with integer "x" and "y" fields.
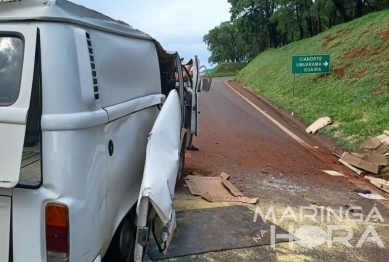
{"x": 123, "y": 242}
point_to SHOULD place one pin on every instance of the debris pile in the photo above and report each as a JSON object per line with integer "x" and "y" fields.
{"x": 371, "y": 158}
{"x": 216, "y": 189}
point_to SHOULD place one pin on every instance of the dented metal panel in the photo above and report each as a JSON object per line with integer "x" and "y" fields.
{"x": 162, "y": 155}
{"x": 160, "y": 174}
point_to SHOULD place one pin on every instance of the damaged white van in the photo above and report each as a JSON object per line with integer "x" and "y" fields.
{"x": 93, "y": 130}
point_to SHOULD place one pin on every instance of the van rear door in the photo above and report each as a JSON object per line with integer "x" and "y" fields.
{"x": 17, "y": 56}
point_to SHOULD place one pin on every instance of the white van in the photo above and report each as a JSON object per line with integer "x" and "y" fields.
{"x": 92, "y": 134}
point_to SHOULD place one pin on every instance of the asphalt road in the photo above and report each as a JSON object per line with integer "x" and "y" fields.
{"x": 272, "y": 158}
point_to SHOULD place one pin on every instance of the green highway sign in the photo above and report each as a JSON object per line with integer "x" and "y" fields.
{"x": 310, "y": 64}
{"x": 209, "y": 71}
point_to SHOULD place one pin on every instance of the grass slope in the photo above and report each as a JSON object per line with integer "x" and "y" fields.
{"x": 227, "y": 69}
{"x": 355, "y": 95}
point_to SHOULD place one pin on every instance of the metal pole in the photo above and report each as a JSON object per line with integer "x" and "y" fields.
{"x": 294, "y": 82}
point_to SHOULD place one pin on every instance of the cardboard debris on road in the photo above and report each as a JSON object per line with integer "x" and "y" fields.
{"x": 358, "y": 162}
{"x": 372, "y": 143}
{"x": 369, "y": 158}
{"x": 384, "y": 137}
{"x": 382, "y": 149}
{"x": 321, "y": 122}
{"x": 216, "y": 189}
{"x": 333, "y": 173}
{"x": 372, "y": 196}
{"x": 216, "y": 198}
{"x": 377, "y": 159}
{"x": 356, "y": 170}
{"x": 225, "y": 176}
{"x": 379, "y": 183}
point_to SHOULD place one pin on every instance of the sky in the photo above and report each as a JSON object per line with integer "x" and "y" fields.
{"x": 179, "y": 25}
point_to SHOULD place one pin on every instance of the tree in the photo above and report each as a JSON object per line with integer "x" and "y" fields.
{"x": 260, "y": 24}
{"x": 225, "y": 44}
{"x": 259, "y": 11}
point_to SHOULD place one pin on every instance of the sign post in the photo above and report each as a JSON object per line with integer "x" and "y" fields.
{"x": 310, "y": 64}
{"x": 294, "y": 82}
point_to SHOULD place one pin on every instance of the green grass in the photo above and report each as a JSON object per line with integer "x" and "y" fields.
{"x": 221, "y": 74}
{"x": 356, "y": 93}
{"x": 227, "y": 69}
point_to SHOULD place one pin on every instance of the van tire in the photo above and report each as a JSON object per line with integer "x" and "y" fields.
{"x": 123, "y": 242}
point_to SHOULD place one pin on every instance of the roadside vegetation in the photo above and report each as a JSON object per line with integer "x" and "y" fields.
{"x": 256, "y": 25}
{"x": 355, "y": 95}
{"x": 227, "y": 69}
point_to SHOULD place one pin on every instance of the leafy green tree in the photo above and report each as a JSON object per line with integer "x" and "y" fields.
{"x": 259, "y": 12}
{"x": 260, "y": 24}
{"x": 225, "y": 44}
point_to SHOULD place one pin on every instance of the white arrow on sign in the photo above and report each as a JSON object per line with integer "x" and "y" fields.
{"x": 325, "y": 64}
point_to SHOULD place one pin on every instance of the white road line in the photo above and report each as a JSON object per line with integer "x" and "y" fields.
{"x": 287, "y": 131}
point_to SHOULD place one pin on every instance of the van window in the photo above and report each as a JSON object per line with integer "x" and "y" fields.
{"x": 11, "y": 60}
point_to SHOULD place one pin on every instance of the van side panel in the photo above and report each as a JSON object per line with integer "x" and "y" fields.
{"x": 125, "y": 167}
{"x": 127, "y": 68}
{"x": 66, "y": 75}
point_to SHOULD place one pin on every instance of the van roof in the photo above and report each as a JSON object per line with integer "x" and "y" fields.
{"x": 64, "y": 11}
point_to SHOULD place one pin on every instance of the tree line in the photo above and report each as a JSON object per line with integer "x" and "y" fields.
{"x": 257, "y": 25}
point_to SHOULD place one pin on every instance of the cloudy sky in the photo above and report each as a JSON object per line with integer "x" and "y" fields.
{"x": 179, "y": 25}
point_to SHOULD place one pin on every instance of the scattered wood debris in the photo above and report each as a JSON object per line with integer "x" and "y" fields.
{"x": 379, "y": 182}
{"x": 321, "y": 122}
{"x": 371, "y": 158}
{"x": 333, "y": 173}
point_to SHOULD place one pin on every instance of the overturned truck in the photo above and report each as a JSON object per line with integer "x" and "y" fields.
{"x": 95, "y": 117}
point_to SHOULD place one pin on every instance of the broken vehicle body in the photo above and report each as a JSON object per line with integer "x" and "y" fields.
{"x": 81, "y": 124}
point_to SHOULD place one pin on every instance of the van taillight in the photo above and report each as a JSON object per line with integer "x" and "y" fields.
{"x": 57, "y": 232}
